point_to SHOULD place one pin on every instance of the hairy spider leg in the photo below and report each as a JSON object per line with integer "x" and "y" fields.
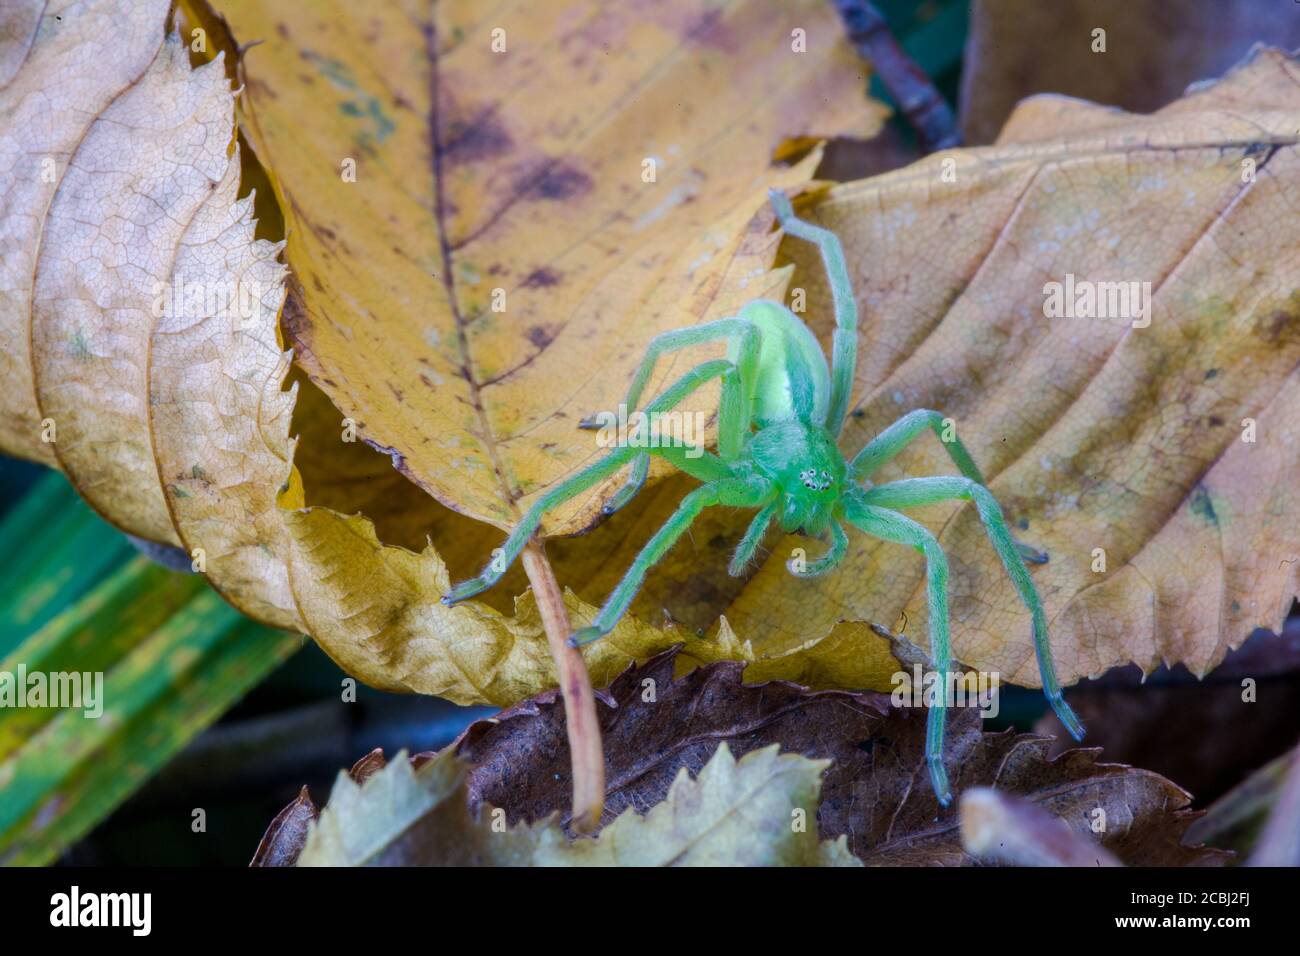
{"x": 891, "y": 526}
{"x": 735, "y": 492}
{"x": 844, "y": 341}
{"x": 833, "y": 556}
{"x": 737, "y": 392}
{"x": 706, "y": 467}
{"x": 897, "y": 436}
{"x": 753, "y": 536}
{"x": 913, "y": 492}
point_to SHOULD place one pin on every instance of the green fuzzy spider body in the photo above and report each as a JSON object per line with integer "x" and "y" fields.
{"x": 780, "y": 415}
{"x": 803, "y": 462}
{"x": 790, "y": 365}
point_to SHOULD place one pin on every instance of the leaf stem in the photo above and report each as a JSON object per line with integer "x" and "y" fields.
{"x": 921, "y": 103}
{"x": 587, "y": 757}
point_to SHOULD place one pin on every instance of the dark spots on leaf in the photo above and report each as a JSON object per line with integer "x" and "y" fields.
{"x": 1216, "y": 421}
{"x": 1271, "y": 327}
{"x": 426, "y": 380}
{"x": 558, "y": 180}
{"x": 540, "y": 336}
{"x": 333, "y": 70}
{"x": 1211, "y": 374}
{"x": 282, "y": 30}
{"x": 476, "y": 139}
{"x": 711, "y": 31}
{"x": 1023, "y": 524}
{"x": 79, "y": 346}
{"x": 316, "y": 283}
{"x": 397, "y": 392}
{"x": 1202, "y": 506}
{"x": 541, "y": 278}
{"x": 325, "y": 231}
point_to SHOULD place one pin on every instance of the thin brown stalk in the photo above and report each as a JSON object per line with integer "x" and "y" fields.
{"x": 921, "y": 103}
{"x": 588, "y": 759}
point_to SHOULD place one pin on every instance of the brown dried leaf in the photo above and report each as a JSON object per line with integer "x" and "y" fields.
{"x": 876, "y": 790}
{"x": 1093, "y": 433}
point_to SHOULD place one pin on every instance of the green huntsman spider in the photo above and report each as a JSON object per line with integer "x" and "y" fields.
{"x": 781, "y": 412}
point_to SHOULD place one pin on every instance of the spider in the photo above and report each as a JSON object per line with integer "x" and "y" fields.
{"x": 780, "y": 414}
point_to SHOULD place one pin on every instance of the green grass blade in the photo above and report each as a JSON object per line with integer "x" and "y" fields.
{"x": 75, "y": 596}
{"x": 53, "y": 549}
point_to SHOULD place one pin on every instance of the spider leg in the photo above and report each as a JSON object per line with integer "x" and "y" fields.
{"x": 753, "y": 535}
{"x": 706, "y": 467}
{"x": 897, "y": 436}
{"x": 737, "y": 391}
{"x": 737, "y": 492}
{"x": 892, "y": 526}
{"x": 921, "y": 491}
{"x": 844, "y": 342}
{"x": 833, "y": 556}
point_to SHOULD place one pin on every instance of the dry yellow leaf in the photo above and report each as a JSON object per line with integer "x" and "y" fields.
{"x": 153, "y": 318}
{"x": 218, "y": 417}
{"x": 43, "y": 124}
{"x": 375, "y": 608}
{"x": 481, "y": 256}
{"x": 139, "y": 175}
{"x": 1155, "y": 464}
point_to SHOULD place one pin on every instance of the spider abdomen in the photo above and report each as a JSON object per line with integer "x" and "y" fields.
{"x": 789, "y": 359}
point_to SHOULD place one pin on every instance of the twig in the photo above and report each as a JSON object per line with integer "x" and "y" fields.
{"x": 588, "y": 759}
{"x": 923, "y": 106}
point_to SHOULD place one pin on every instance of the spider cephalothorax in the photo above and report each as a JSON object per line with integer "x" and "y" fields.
{"x": 780, "y": 416}
{"x": 804, "y": 464}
